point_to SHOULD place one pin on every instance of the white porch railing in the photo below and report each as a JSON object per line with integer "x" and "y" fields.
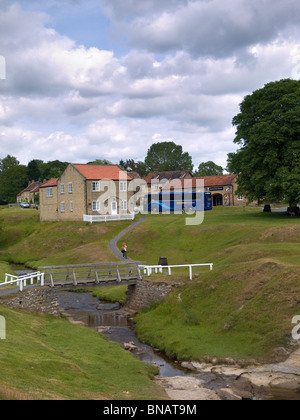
{"x": 148, "y": 269}
{"x": 107, "y": 217}
{"x": 21, "y": 281}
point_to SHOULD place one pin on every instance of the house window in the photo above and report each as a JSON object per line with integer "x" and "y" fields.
{"x": 240, "y": 197}
{"x": 96, "y": 186}
{"x": 124, "y": 205}
{"x": 96, "y": 205}
{"x": 70, "y": 188}
{"x": 123, "y": 185}
{"x": 154, "y": 187}
{"x": 62, "y": 207}
{"x": 71, "y": 206}
{"x": 49, "y": 192}
{"x": 62, "y": 188}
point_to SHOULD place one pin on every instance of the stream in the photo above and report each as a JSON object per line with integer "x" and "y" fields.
{"x": 114, "y": 322}
{"x": 111, "y": 320}
{"x": 181, "y": 381}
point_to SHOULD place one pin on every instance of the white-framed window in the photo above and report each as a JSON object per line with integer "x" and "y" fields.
{"x": 96, "y": 205}
{"x": 71, "y": 206}
{"x": 124, "y": 205}
{"x": 70, "y": 188}
{"x": 154, "y": 187}
{"x": 49, "y": 192}
{"x": 123, "y": 185}
{"x": 62, "y": 207}
{"x": 96, "y": 186}
{"x": 240, "y": 197}
{"x": 62, "y": 188}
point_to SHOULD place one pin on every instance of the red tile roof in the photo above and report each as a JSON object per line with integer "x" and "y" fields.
{"x": 33, "y": 187}
{"x": 209, "y": 181}
{"x": 218, "y": 180}
{"x": 51, "y": 183}
{"x": 97, "y": 172}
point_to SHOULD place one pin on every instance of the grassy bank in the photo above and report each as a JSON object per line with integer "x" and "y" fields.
{"x": 243, "y": 308}
{"x": 25, "y": 240}
{"x": 48, "y": 358}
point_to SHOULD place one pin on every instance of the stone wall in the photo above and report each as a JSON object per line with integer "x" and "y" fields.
{"x": 139, "y": 296}
{"x": 38, "y": 300}
{"x": 146, "y": 293}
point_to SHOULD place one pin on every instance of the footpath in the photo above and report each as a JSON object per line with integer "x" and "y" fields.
{"x": 113, "y": 242}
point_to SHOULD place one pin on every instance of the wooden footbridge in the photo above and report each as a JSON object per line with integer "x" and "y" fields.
{"x": 91, "y": 275}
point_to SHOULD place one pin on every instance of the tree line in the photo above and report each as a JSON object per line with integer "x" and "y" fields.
{"x": 167, "y": 156}
{"x": 15, "y": 177}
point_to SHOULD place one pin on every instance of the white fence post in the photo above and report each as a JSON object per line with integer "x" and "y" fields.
{"x": 21, "y": 281}
{"x": 148, "y": 268}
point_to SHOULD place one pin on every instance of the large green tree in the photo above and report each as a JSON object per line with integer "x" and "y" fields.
{"x": 8, "y": 162}
{"x": 167, "y": 156}
{"x": 268, "y": 133}
{"x": 34, "y": 171}
{"x": 132, "y": 165}
{"x": 13, "y": 181}
{"x": 209, "y": 169}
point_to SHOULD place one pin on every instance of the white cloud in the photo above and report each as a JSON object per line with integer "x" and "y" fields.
{"x": 62, "y": 100}
{"x": 215, "y": 28}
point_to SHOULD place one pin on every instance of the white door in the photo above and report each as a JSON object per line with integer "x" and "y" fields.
{"x": 114, "y": 208}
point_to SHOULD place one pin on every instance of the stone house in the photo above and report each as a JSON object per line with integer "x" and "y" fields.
{"x": 85, "y": 190}
{"x": 30, "y": 194}
{"x": 223, "y": 190}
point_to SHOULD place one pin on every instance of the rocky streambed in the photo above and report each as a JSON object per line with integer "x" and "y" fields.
{"x": 186, "y": 380}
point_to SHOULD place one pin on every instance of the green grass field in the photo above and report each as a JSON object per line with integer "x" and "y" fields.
{"x": 25, "y": 240}
{"x": 46, "y": 358}
{"x": 241, "y": 309}
{"x": 244, "y": 307}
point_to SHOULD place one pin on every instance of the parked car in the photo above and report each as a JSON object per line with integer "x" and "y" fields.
{"x": 25, "y": 205}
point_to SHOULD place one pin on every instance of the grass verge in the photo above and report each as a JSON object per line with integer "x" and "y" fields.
{"x": 45, "y": 358}
{"x": 244, "y": 307}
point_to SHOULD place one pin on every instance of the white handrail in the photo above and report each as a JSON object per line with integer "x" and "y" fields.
{"x": 22, "y": 280}
{"x": 148, "y": 268}
{"x": 108, "y": 217}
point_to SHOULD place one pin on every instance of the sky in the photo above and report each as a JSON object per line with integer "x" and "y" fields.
{"x": 105, "y": 79}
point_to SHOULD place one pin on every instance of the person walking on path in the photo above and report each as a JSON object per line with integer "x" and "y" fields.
{"x": 124, "y": 251}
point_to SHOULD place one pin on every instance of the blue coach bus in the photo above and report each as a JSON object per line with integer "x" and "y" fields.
{"x": 181, "y": 201}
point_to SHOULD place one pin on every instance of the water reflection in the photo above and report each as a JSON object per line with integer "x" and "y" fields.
{"x": 87, "y": 310}
{"x": 113, "y": 322}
